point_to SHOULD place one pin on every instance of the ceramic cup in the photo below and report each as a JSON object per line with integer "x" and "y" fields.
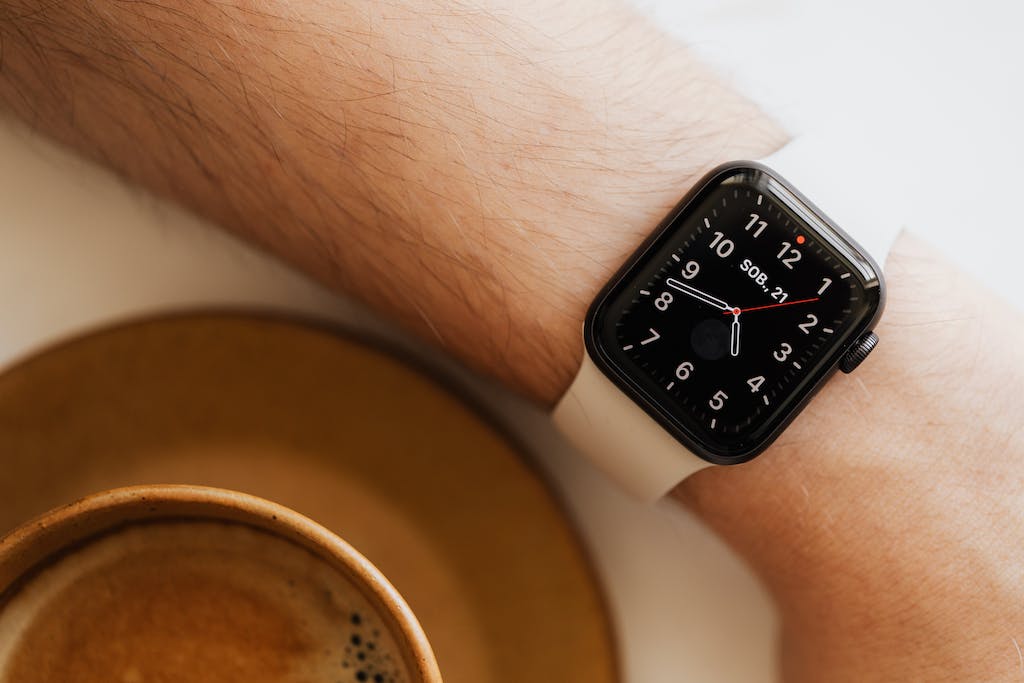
{"x": 197, "y": 584}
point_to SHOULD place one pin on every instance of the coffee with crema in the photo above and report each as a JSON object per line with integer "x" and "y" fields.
{"x": 191, "y": 600}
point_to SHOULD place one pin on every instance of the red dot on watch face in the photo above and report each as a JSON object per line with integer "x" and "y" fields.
{"x": 800, "y": 239}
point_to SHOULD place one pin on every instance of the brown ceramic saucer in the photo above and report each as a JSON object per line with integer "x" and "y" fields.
{"x": 338, "y": 431}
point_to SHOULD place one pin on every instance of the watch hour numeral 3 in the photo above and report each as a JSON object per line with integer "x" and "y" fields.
{"x": 783, "y": 352}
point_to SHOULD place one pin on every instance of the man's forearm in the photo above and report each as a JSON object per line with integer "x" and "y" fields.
{"x": 477, "y": 172}
{"x": 474, "y": 170}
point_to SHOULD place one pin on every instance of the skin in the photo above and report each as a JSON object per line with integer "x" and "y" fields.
{"x": 477, "y": 171}
{"x": 892, "y": 544}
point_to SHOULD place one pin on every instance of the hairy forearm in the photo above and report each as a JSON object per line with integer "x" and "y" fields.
{"x": 475, "y": 170}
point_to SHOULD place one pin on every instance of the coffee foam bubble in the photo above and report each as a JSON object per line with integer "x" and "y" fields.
{"x": 197, "y": 601}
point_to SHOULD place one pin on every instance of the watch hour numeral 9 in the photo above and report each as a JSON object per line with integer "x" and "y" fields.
{"x": 690, "y": 270}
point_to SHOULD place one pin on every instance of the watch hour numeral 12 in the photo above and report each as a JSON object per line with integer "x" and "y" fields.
{"x": 793, "y": 255}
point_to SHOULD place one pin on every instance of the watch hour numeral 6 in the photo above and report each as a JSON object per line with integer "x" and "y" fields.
{"x": 684, "y": 370}
{"x": 722, "y": 247}
{"x": 717, "y": 402}
{"x": 792, "y": 258}
{"x": 761, "y": 225}
{"x": 690, "y": 270}
{"x": 812, "y": 320}
{"x": 663, "y": 300}
{"x": 783, "y": 353}
{"x": 755, "y": 383}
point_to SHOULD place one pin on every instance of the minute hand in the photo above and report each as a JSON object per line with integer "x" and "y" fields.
{"x": 697, "y": 294}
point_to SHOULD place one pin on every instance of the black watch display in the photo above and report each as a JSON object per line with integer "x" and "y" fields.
{"x": 741, "y": 304}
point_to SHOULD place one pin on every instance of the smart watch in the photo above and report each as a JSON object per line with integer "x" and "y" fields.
{"x": 719, "y": 329}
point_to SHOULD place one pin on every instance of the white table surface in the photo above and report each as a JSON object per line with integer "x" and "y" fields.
{"x": 939, "y": 81}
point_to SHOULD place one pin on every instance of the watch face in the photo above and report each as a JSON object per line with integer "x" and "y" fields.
{"x": 740, "y": 306}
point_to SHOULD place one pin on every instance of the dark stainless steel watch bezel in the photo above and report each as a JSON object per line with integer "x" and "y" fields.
{"x": 818, "y": 223}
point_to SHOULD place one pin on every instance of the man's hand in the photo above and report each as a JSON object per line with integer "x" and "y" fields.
{"x": 506, "y": 157}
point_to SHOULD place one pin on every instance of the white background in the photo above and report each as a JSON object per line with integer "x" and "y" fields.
{"x": 940, "y": 83}
{"x": 937, "y": 84}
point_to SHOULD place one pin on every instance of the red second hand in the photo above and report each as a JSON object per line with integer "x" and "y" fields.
{"x": 734, "y": 311}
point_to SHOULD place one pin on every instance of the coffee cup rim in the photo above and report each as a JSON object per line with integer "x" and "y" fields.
{"x": 29, "y": 547}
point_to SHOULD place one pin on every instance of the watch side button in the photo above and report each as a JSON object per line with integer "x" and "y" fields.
{"x": 858, "y": 352}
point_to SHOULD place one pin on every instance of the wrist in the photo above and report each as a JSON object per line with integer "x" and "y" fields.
{"x": 859, "y": 517}
{"x": 608, "y": 217}
{"x": 652, "y": 144}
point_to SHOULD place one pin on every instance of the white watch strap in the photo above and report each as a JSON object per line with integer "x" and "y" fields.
{"x": 620, "y": 438}
{"x": 623, "y": 440}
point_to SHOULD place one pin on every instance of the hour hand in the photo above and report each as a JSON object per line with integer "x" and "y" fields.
{"x": 697, "y": 294}
{"x": 734, "y": 334}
